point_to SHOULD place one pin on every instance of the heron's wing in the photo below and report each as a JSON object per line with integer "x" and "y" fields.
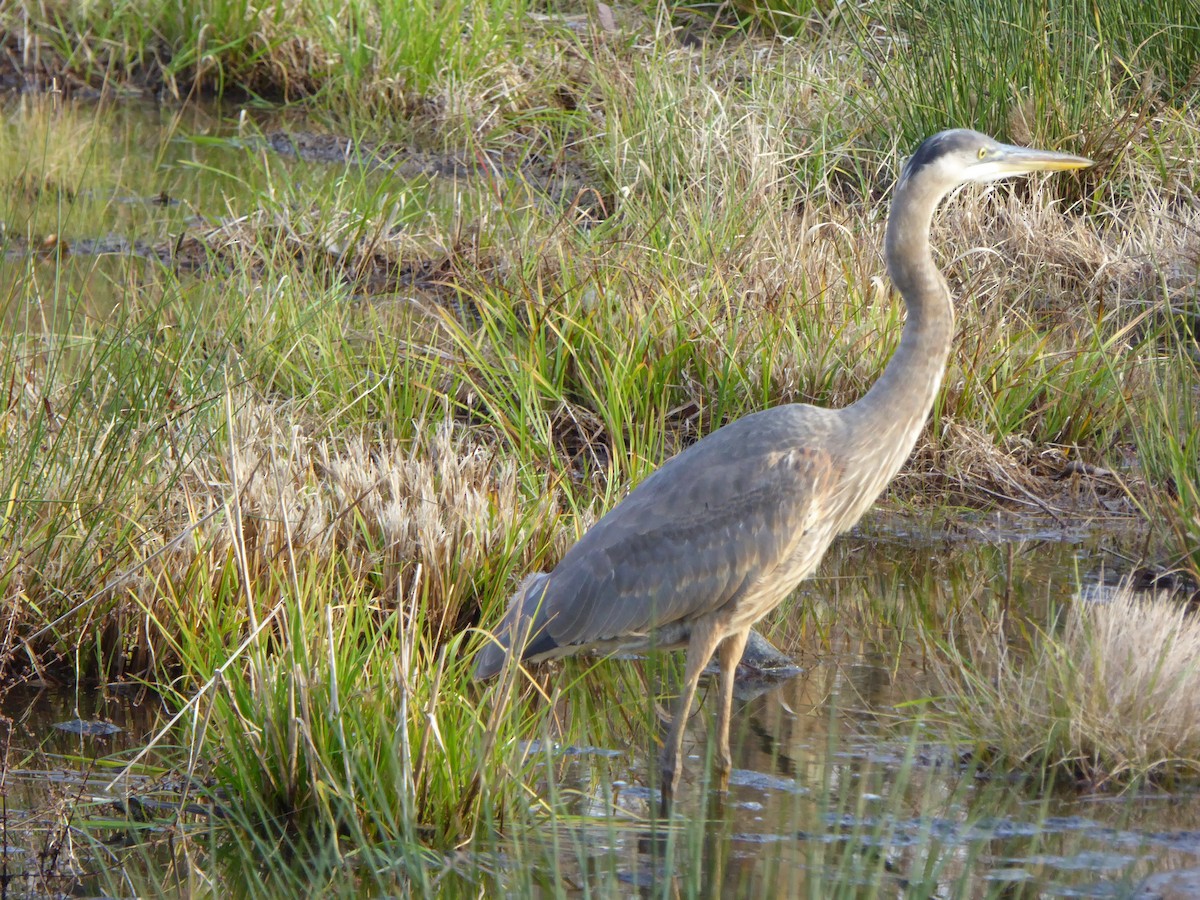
{"x": 702, "y": 529}
{"x": 524, "y": 624}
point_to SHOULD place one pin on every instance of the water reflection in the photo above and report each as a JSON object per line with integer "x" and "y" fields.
{"x": 59, "y": 749}
{"x": 45, "y": 719}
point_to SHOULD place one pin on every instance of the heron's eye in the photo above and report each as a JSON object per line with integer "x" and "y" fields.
{"x": 982, "y": 153}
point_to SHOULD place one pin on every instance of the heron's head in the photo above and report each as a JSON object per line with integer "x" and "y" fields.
{"x": 951, "y": 158}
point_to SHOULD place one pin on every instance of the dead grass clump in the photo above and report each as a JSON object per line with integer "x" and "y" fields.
{"x": 444, "y": 502}
{"x": 1112, "y": 696}
{"x": 968, "y": 467}
{"x": 1023, "y": 251}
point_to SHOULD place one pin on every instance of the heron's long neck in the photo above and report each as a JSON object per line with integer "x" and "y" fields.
{"x": 891, "y": 414}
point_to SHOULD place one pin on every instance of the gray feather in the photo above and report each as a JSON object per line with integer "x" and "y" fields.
{"x": 693, "y": 537}
{"x": 524, "y": 624}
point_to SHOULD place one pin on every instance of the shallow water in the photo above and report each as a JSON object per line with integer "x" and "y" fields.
{"x": 61, "y": 749}
{"x": 828, "y": 797}
{"x": 108, "y": 197}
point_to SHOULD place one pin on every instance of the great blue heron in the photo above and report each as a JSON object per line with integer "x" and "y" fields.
{"x": 722, "y": 532}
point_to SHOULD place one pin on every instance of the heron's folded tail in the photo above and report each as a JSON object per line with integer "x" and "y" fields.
{"x": 524, "y": 624}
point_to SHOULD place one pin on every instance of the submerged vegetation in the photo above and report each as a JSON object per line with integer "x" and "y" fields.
{"x": 368, "y": 310}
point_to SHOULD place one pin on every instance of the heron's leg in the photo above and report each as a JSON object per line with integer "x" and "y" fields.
{"x": 731, "y": 655}
{"x": 701, "y": 644}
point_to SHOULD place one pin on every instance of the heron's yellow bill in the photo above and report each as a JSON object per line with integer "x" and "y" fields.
{"x": 1018, "y": 160}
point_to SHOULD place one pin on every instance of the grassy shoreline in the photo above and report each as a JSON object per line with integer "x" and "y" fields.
{"x": 284, "y": 457}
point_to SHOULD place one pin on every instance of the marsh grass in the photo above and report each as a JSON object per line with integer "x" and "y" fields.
{"x": 412, "y": 53}
{"x": 288, "y": 491}
{"x": 1167, "y": 437}
{"x": 1036, "y": 73}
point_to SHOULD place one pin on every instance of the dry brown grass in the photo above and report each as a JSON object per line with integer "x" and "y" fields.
{"x": 446, "y": 504}
{"x": 1109, "y": 696}
{"x": 447, "y": 496}
{"x": 287, "y": 493}
{"x": 374, "y": 255}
